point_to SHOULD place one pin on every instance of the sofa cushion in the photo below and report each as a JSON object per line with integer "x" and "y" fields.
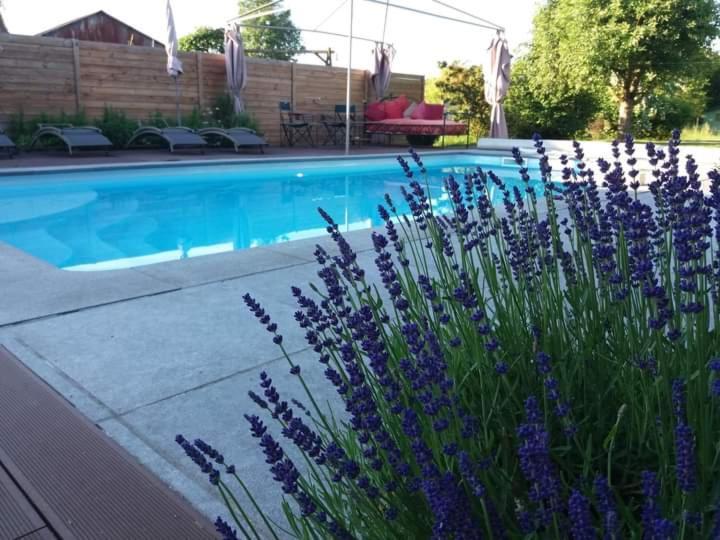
{"x": 408, "y": 112}
{"x": 403, "y": 101}
{"x": 433, "y": 111}
{"x": 394, "y": 109}
{"x": 375, "y": 112}
{"x": 419, "y": 112}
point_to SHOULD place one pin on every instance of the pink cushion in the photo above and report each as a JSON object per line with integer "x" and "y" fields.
{"x": 428, "y": 111}
{"x": 375, "y": 112}
{"x": 433, "y": 111}
{"x": 394, "y": 109}
{"x": 403, "y": 101}
{"x": 419, "y": 112}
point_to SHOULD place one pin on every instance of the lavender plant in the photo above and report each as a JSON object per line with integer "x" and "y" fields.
{"x": 546, "y": 368}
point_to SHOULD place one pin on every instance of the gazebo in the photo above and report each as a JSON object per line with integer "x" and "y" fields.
{"x": 496, "y": 86}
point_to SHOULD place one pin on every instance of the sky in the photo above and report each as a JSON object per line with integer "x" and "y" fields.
{"x": 420, "y": 41}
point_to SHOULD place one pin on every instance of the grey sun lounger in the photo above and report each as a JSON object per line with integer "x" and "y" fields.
{"x": 6, "y": 145}
{"x": 74, "y": 138}
{"x": 238, "y": 137}
{"x": 175, "y": 137}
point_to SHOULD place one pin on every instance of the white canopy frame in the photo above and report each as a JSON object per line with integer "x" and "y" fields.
{"x": 478, "y": 22}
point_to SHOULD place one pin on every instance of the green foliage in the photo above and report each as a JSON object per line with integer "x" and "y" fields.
{"x": 669, "y": 106}
{"x": 116, "y": 126}
{"x": 462, "y": 88}
{"x": 555, "y": 107}
{"x": 223, "y": 115}
{"x": 713, "y": 87}
{"x": 269, "y": 43}
{"x": 21, "y": 129}
{"x": 630, "y": 46}
{"x": 204, "y": 39}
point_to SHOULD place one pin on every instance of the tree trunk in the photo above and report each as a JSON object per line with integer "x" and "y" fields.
{"x": 625, "y": 114}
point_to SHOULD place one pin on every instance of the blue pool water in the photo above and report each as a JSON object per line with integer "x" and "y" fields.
{"x": 100, "y": 219}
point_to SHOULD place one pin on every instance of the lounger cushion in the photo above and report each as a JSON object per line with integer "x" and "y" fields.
{"x": 375, "y": 112}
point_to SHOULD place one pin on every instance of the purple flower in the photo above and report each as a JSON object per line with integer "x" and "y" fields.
{"x": 655, "y": 527}
{"x": 198, "y": 457}
{"x": 678, "y": 399}
{"x": 685, "y": 466}
{"x": 535, "y": 461}
{"x": 607, "y": 509}
{"x": 260, "y": 314}
{"x": 581, "y": 527}
{"x": 227, "y": 532}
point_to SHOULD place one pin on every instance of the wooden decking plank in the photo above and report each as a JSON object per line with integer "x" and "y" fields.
{"x": 17, "y": 516}
{"x": 83, "y": 484}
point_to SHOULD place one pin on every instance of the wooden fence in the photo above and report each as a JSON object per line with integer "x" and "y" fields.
{"x": 51, "y": 75}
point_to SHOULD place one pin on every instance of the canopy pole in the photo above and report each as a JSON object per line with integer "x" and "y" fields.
{"x": 347, "y": 84}
{"x": 436, "y": 15}
{"x": 177, "y": 101}
{"x": 323, "y": 32}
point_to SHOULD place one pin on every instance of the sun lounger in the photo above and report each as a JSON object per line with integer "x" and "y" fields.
{"x": 6, "y": 145}
{"x": 74, "y": 138}
{"x": 175, "y": 137}
{"x": 238, "y": 137}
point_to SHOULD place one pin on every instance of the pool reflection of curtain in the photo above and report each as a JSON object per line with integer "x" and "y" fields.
{"x": 241, "y": 225}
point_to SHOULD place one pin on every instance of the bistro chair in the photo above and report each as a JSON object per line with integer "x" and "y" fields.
{"x": 297, "y": 127}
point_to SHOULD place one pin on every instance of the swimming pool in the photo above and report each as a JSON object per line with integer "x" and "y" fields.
{"x": 121, "y": 217}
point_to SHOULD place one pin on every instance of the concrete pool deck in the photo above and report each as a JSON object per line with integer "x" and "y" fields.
{"x": 168, "y": 348}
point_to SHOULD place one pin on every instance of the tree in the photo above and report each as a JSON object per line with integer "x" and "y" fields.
{"x": 204, "y": 39}
{"x": 270, "y": 43}
{"x": 553, "y": 90}
{"x": 633, "y": 46}
{"x": 554, "y": 108}
{"x": 462, "y": 88}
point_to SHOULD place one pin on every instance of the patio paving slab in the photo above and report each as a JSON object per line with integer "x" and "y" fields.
{"x": 30, "y": 288}
{"x": 133, "y": 353}
{"x": 220, "y": 267}
{"x": 214, "y": 413}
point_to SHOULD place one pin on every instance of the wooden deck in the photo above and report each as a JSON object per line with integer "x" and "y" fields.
{"x": 61, "y": 477}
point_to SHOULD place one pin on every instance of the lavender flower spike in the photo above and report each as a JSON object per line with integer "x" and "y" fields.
{"x": 227, "y": 532}
{"x": 580, "y": 519}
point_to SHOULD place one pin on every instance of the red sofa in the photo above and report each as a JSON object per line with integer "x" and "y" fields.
{"x": 426, "y": 120}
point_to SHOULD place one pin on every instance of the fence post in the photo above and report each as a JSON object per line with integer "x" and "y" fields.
{"x": 292, "y": 85}
{"x": 422, "y": 88}
{"x": 200, "y": 81}
{"x": 76, "y": 73}
{"x": 365, "y": 87}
